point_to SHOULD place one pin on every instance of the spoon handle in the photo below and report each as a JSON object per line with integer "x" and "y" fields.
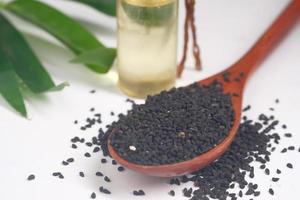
{"x": 270, "y": 39}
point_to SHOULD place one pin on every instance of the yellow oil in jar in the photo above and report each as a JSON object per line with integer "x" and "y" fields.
{"x": 147, "y": 46}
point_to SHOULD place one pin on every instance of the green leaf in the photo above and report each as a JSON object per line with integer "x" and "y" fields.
{"x": 23, "y": 59}
{"x": 9, "y": 87}
{"x": 106, "y": 6}
{"x": 68, "y": 31}
{"x": 98, "y": 56}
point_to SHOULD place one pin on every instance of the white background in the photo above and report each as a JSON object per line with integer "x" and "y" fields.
{"x": 226, "y": 29}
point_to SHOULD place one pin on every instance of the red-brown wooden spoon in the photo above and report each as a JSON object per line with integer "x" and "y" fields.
{"x": 245, "y": 65}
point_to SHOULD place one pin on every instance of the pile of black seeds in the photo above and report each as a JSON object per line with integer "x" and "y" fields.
{"x": 173, "y": 126}
{"x": 255, "y": 143}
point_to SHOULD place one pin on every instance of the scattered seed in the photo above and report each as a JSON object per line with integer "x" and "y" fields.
{"x": 107, "y": 179}
{"x": 138, "y": 193}
{"x": 81, "y": 174}
{"x": 103, "y": 160}
{"x": 284, "y": 126}
{"x": 262, "y": 166}
{"x": 76, "y": 122}
{"x": 271, "y": 191}
{"x": 99, "y": 174}
{"x": 267, "y": 171}
{"x": 278, "y": 171}
{"x": 64, "y": 163}
{"x": 93, "y": 195}
{"x": 96, "y": 149}
{"x": 172, "y": 193}
{"x": 247, "y": 108}
{"x": 87, "y": 155}
{"x": 104, "y": 190}
{"x": 113, "y": 162}
{"x": 275, "y": 179}
{"x": 74, "y": 146}
{"x": 31, "y": 177}
{"x": 284, "y": 150}
{"x": 92, "y": 109}
{"x": 291, "y": 148}
{"x": 121, "y": 169}
{"x": 288, "y": 135}
{"x": 289, "y": 165}
{"x": 70, "y": 160}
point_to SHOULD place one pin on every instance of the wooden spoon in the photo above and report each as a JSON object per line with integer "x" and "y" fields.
{"x": 238, "y": 74}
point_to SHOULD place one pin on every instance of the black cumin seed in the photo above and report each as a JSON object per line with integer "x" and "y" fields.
{"x": 89, "y": 144}
{"x": 82, "y": 128}
{"x": 262, "y": 166}
{"x": 93, "y": 91}
{"x": 256, "y": 193}
{"x": 93, "y": 195}
{"x": 103, "y": 160}
{"x": 70, "y": 160}
{"x": 56, "y": 174}
{"x": 288, "y": 135}
{"x": 99, "y": 174}
{"x": 113, "y": 162}
{"x": 172, "y": 193}
{"x": 247, "y": 108}
{"x": 284, "y": 126}
{"x": 81, "y": 174}
{"x": 299, "y": 149}
{"x": 291, "y": 148}
{"x": 31, "y": 177}
{"x": 75, "y": 139}
{"x": 267, "y": 171}
{"x": 107, "y": 179}
{"x": 64, "y": 163}
{"x": 272, "y": 109}
{"x": 289, "y": 165}
{"x": 92, "y": 109}
{"x": 284, "y": 150}
{"x": 273, "y": 149}
{"x": 275, "y": 179}
{"x": 240, "y": 193}
{"x": 87, "y": 155}
{"x": 96, "y": 149}
{"x": 112, "y": 113}
{"x": 187, "y": 192}
{"x": 271, "y": 191}
{"x": 104, "y": 190}
{"x": 278, "y": 171}
{"x": 121, "y": 169}
{"x": 138, "y": 193}
{"x": 276, "y": 100}
{"x": 76, "y": 122}
{"x": 74, "y": 146}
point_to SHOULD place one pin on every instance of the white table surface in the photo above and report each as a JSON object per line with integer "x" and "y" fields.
{"x": 227, "y": 28}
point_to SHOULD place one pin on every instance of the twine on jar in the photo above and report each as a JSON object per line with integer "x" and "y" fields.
{"x": 190, "y": 23}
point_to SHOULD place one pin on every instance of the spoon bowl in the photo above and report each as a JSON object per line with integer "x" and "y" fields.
{"x": 233, "y": 80}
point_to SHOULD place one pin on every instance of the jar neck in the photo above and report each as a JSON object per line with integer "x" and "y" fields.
{"x": 149, "y": 3}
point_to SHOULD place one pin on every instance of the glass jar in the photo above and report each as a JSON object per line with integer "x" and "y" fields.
{"x": 147, "y": 46}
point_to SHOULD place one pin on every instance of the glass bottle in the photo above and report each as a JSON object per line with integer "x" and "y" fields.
{"x": 147, "y": 46}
